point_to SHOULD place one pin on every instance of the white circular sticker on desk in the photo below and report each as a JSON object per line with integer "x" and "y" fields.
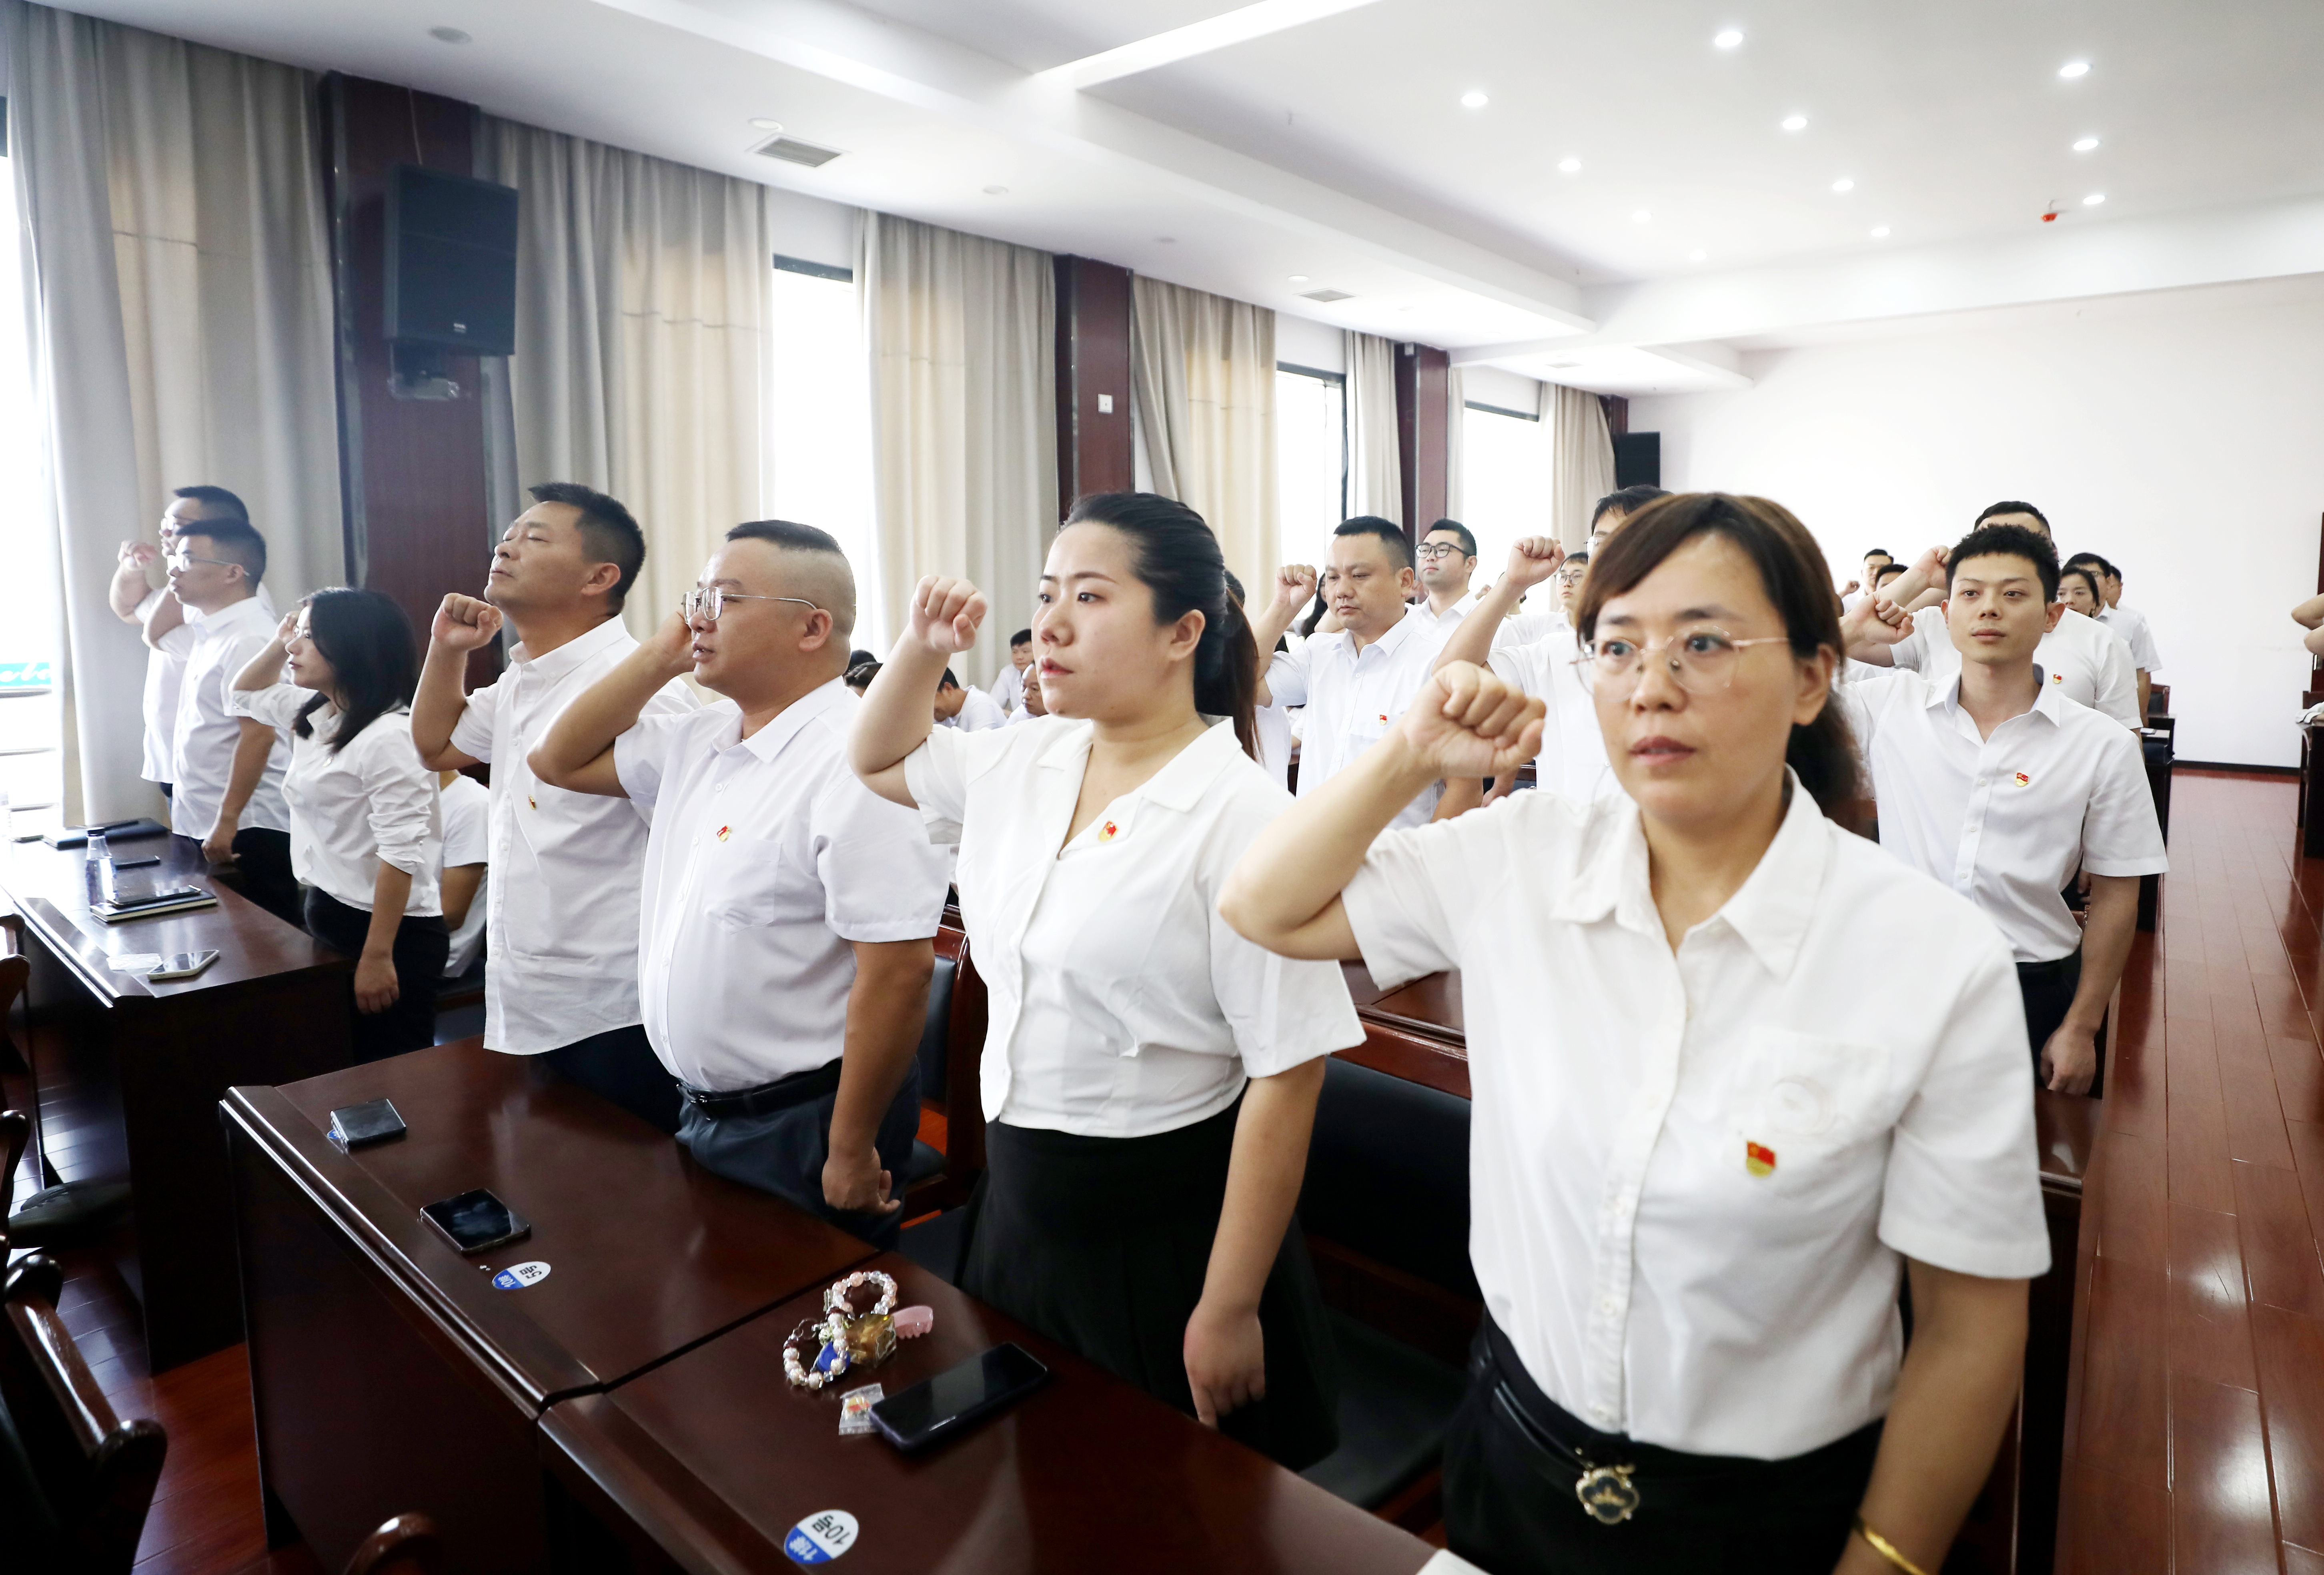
{"x": 517, "y": 1276}
{"x": 821, "y": 1538}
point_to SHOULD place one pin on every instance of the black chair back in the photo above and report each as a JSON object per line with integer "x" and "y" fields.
{"x": 1387, "y": 1174}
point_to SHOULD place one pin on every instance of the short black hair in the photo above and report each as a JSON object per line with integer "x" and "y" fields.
{"x": 1625, "y": 501}
{"x": 790, "y": 536}
{"x": 217, "y": 504}
{"x": 2007, "y": 541}
{"x": 1582, "y": 556}
{"x": 1467, "y": 539}
{"x": 1022, "y": 636}
{"x": 859, "y": 675}
{"x": 1888, "y": 571}
{"x": 856, "y": 658}
{"x": 1871, "y": 552}
{"x": 2094, "y": 561}
{"x": 2013, "y": 506}
{"x": 608, "y": 531}
{"x": 1400, "y": 549}
{"x": 947, "y": 681}
{"x": 236, "y": 541}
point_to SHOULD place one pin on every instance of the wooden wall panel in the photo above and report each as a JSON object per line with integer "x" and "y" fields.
{"x": 1423, "y": 432}
{"x": 1093, "y": 444}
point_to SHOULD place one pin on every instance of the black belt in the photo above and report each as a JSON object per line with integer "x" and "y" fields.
{"x": 766, "y": 1099}
{"x": 2039, "y": 972}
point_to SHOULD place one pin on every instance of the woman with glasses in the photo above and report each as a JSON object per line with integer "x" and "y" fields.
{"x": 1702, "y": 1159}
{"x": 1149, "y": 1076}
{"x": 366, "y": 831}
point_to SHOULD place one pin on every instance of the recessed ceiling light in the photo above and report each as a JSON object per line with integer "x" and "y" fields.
{"x": 1569, "y": 166}
{"x": 2086, "y": 144}
{"x": 1642, "y": 217}
{"x": 1879, "y": 232}
{"x": 768, "y": 125}
{"x": 450, "y": 36}
{"x": 2073, "y": 68}
{"x": 1843, "y": 184}
{"x": 1473, "y": 99}
{"x": 996, "y": 191}
{"x": 1728, "y": 38}
{"x": 1697, "y": 255}
{"x": 1796, "y": 122}
{"x": 2093, "y": 199}
{"x": 1299, "y": 279}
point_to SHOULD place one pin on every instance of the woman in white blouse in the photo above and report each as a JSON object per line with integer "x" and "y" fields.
{"x": 1149, "y": 1077}
{"x": 366, "y": 833}
{"x": 1701, "y": 1156}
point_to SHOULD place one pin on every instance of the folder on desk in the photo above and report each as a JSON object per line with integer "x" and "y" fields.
{"x": 178, "y": 900}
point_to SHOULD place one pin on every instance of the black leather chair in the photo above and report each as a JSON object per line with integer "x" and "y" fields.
{"x": 935, "y": 1036}
{"x": 1388, "y": 1181}
{"x": 407, "y": 1546}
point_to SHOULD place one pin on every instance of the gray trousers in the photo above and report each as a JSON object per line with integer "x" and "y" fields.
{"x": 782, "y": 1151}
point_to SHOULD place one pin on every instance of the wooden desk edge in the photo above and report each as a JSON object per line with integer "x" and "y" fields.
{"x": 75, "y": 947}
{"x": 351, "y": 1199}
{"x": 622, "y": 1476}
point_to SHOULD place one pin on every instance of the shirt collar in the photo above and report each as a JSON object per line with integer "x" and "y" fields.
{"x": 786, "y": 725}
{"x": 2047, "y": 701}
{"x": 1181, "y": 783}
{"x": 235, "y": 617}
{"x": 1459, "y": 609}
{"x": 1770, "y": 911}
{"x": 554, "y": 665}
{"x": 1392, "y": 641}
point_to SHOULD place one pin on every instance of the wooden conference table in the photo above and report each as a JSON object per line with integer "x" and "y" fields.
{"x": 128, "y": 1074}
{"x": 628, "y": 1410}
{"x": 1415, "y": 1032}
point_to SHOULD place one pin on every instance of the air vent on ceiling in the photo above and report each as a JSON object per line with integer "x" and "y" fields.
{"x": 1325, "y": 296}
{"x": 792, "y": 150}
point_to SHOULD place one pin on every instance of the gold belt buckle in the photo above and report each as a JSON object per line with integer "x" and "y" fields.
{"x": 1608, "y": 1494}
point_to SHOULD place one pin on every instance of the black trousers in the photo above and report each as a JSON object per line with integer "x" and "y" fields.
{"x": 619, "y": 1064}
{"x": 262, "y": 860}
{"x": 779, "y": 1143}
{"x": 2048, "y": 990}
{"x": 421, "y": 945}
{"x": 1512, "y": 1458}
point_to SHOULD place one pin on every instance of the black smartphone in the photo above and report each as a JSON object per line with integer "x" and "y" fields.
{"x": 373, "y": 1121}
{"x": 928, "y": 1412}
{"x": 476, "y": 1222}
{"x": 136, "y": 863}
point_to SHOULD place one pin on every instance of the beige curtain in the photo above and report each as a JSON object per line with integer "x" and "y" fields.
{"x": 1375, "y": 469}
{"x": 643, "y": 355}
{"x": 1204, "y": 376}
{"x": 961, "y": 332}
{"x": 178, "y": 322}
{"x": 1582, "y": 459}
{"x": 1457, "y": 432}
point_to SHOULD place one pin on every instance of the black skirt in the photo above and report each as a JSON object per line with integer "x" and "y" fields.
{"x": 1102, "y": 1244}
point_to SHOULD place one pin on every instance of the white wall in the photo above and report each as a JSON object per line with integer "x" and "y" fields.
{"x": 1304, "y": 342}
{"x": 2186, "y": 444}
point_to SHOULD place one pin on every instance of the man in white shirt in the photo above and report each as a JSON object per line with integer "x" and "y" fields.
{"x": 2128, "y": 623}
{"x": 1009, "y": 688}
{"x": 1447, "y": 563}
{"x": 2000, "y": 786}
{"x": 1356, "y": 682}
{"x": 2078, "y": 657}
{"x": 1869, "y": 582}
{"x": 785, "y": 939}
{"x": 227, "y": 770}
{"x": 560, "y": 912}
{"x": 969, "y": 709}
{"x": 159, "y": 617}
{"x": 1616, "y": 507}
{"x": 467, "y": 867}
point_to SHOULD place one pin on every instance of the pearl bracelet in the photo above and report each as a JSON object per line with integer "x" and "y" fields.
{"x": 835, "y": 1300}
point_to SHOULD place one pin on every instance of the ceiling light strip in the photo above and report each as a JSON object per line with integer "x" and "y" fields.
{"x": 1198, "y": 38}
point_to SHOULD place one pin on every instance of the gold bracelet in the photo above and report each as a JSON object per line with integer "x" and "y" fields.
{"x": 1887, "y": 1548}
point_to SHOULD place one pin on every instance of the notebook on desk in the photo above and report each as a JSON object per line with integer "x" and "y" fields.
{"x": 181, "y": 899}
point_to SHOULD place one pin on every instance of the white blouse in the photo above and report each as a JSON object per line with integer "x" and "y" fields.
{"x": 1122, "y": 1005}
{"x": 1692, "y": 1173}
{"x": 355, "y": 809}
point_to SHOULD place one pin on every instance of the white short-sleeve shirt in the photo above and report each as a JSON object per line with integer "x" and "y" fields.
{"x": 1120, "y": 1004}
{"x": 562, "y": 912}
{"x": 1692, "y": 1175}
{"x": 355, "y": 809}
{"x": 769, "y": 856}
{"x": 2080, "y": 659}
{"x": 165, "y": 672}
{"x": 467, "y": 840}
{"x": 202, "y": 750}
{"x": 1446, "y": 622}
{"x": 979, "y": 713}
{"x": 2005, "y": 821}
{"x": 1572, "y": 759}
{"x": 1352, "y": 697}
{"x": 1009, "y": 688}
{"x": 2131, "y": 625}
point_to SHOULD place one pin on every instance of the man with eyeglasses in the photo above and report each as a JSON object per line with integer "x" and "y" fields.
{"x": 561, "y": 907}
{"x": 786, "y": 938}
{"x": 1995, "y": 782}
{"x": 227, "y": 770}
{"x": 1447, "y": 561}
{"x": 160, "y": 618}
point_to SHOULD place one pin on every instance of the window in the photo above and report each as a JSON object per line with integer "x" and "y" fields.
{"x": 31, "y": 765}
{"x": 819, "y": 424}
{"x": 1311, "y": 461}
{"x": 1504, "y": 483}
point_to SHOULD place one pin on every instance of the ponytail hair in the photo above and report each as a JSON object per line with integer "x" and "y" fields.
{"x": 1176, "y": 556}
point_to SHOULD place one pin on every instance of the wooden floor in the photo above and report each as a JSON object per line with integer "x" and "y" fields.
{"x": 2195, "y": 1429}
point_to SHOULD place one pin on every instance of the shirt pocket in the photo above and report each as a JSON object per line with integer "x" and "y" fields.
{"x": 750, "y": 884}
{"x": 1803, "y": 1101}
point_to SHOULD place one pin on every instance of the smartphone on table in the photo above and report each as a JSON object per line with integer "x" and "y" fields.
{"x": 935, "y": 1409}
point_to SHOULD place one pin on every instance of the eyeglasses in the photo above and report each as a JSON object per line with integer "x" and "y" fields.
{"x": 707, "y": 603}
{"x": 187, "y": 557}
{"x": 1701, "y": 660}
{"x": 1432, "y": 550}
{"x": 1573, "y": 576}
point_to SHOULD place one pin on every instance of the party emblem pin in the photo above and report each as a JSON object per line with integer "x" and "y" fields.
{"x": 1108, "y": 832}
{"x": 722, "y": 831}
{"x": 1759, "y": 1158}
{"x": 2023, "y": 780}
{"x": 821, "y": 1538}
{"x": 531, "y": 802}
{"x": 2057, "y": 678}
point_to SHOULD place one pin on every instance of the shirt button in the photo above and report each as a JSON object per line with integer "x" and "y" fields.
{"x": 1607, "y": 1307}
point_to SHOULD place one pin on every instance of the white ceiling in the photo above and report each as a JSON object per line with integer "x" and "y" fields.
{"x": 1338, "y": 147}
